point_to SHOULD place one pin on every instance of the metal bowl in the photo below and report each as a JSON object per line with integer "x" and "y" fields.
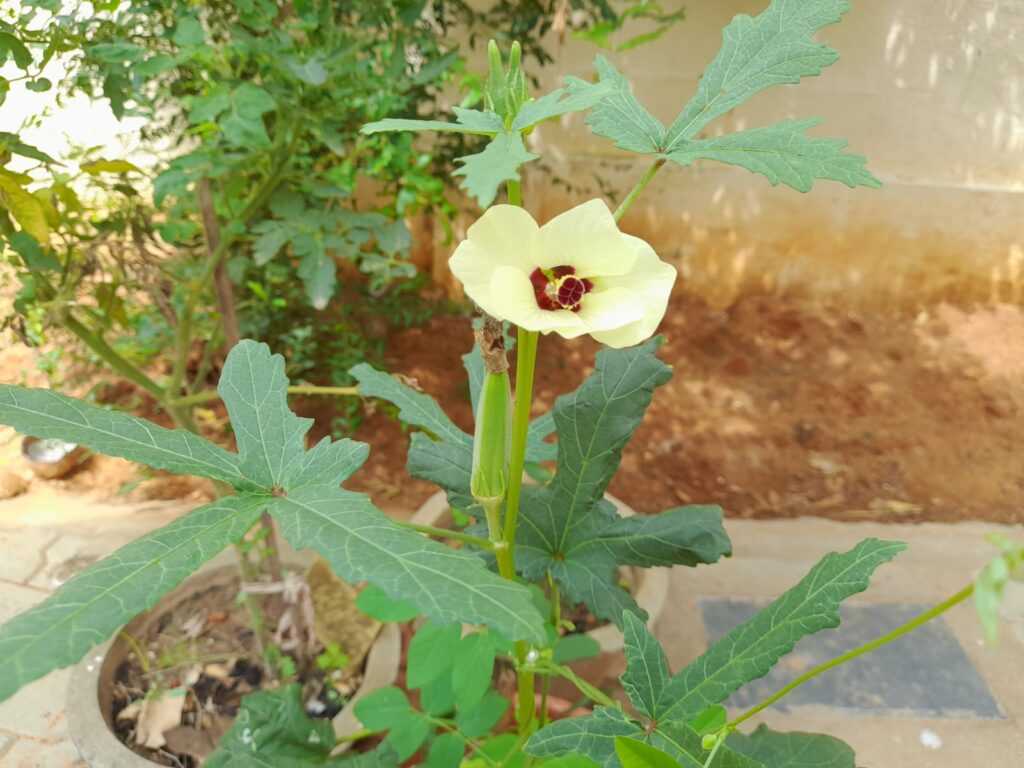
{"x": 51, "y": 458}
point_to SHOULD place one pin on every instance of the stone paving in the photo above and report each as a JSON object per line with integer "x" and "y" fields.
{"x": 942, "y": 700}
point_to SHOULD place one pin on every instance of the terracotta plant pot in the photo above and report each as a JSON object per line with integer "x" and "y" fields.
{"x": 90, "y": 692}
{"x": 649, "y": 587}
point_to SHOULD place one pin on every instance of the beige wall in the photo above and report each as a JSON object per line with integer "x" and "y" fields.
{"x": 931, "y": 91}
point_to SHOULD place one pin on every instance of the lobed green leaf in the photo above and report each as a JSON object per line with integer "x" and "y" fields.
{"x": 498, "y": 163}
{"x": 89, "y": 608}
{"x": 752, "y": 649}
{"x": 793, "y": 750}
{"x": 782, "y": 153}
{"x": 773, "y": 48}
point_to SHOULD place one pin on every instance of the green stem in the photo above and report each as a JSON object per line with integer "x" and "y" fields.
{"x": 640, "y": 185}
{"x": 526, "y": 362}
{"x": 556, "y": 621}
{"x": 444, "y": 533}
{"x": 515, "y": 194}
{"x": 131, "y": 372}
{"x": 449, "y": 728}
{"x": 888, "y": 637}
{"x": 592, "y": 692}
{"x": 299, "y": 389}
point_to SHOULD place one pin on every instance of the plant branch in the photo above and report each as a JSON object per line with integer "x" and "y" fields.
{"x": 127, "y": 369}
{"x": 298, "y": 389}
{"x": 888, "y": 637}
{"x": 444, "y": 533}
{"x": 636, "y": 190}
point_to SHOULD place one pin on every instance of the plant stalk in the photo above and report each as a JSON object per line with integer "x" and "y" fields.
{"x": 131, "y": 372}
{"x": 878, "y": 642}
{"x": 636, "y": 190}
{"x": 444, "y": 533}
{"x": 299, "y": 389}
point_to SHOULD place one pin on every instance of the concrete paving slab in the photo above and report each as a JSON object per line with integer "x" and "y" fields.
{"x": 28, "y": 754}
{"x": 21, "y": 553}
{"x": 771, "y": 556}
{"x": 37, "y": 710}
{"x": 926, "y": 674}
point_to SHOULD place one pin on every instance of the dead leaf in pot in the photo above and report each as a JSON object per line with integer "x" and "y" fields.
{"x": 335, "y": 616}
{"x": 159, "y": 714}
{"x": 185, "y": 740}
{"x": 216, "y": 671}
{"x": 131, "y": 712}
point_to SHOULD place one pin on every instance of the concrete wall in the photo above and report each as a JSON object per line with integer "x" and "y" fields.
{"x": 931, "y": 91}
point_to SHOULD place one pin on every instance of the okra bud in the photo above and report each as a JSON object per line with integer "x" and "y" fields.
{"x": 492, "y": 441}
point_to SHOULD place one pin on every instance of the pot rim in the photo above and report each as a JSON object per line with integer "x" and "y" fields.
{"x": 100, "y": 748}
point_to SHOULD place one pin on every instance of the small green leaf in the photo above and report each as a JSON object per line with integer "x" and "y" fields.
{"x": 773, "y": 48}
{"x": 793, "y": 750}
{"x": 39, "y": 85}
{"x": 472, "y": 121}
{"x": 432, "y": 652}
{"x": 243, "y": 126}
{"x": 749, "y": 651}
{"x": 559, "y": 102}
{"x": 311, "y": 72}
{"x": 27, "y": 211}
{"x": 12, "y": 47}
{"x": 415, "y": 408}
{"x": 388, "y": 709}
{"x": 35, "y": 258}
{"x": 375, "y": 603}
{"x": 383, "y": 708}
{"x": 316, "y": 269}
{"x": 273, "y": 725}
{"x": 591, "y": 735}
{"x": 189, "y": 32}
{"x": 269, "y": 243}
{"x": 988, "y": 593}
{"x": 782, "y": 153}
{"x": 646, "y": 666}
{"x": 637, "y": 754}
{"x": 498, "y": 163}
{"x": 97, "y": 167}
{"x": 575, "y": 647}
{"x": 618, "y": 115}
{"x": 710, "y": 720}
{"x": 446, "y": 751}
{"x": 473, "y": 668}
{"x": 477, "y": 720}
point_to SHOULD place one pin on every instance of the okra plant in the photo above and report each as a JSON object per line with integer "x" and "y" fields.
{"x": 492, "y": 636}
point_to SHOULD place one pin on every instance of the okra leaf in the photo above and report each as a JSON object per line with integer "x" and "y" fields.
{"x": 750, "y": 650}
{"x": 782, "y": 153}
{"x": 89, "y": 608}
{"x": 793, "y": 750}
{"x": 47, "y": 414}
{"x": 484, "y": 172}
{"x": 473, "y": 121}
{"x": 646, "y": 666}
{"x": 617, "y": 115}
{"x": 568, "y": 530}
{"x": 773, "y": 48}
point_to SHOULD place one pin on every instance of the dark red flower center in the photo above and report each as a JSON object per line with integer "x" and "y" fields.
{"x": 559, "y": 288}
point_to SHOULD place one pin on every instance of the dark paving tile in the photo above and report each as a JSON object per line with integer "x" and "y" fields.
{"x": 924, "y": 674}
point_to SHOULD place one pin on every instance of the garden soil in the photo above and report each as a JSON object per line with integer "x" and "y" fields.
{"x": 779, "y": 407}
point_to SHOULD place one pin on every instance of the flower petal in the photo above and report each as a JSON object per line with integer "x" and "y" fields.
{"x": 609, "y": 309}
{"x": 651, "y": 279}
{"x": 585, "y": 237}
{"x": 503, "y": 236}
{"x": 511, "y": 298}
